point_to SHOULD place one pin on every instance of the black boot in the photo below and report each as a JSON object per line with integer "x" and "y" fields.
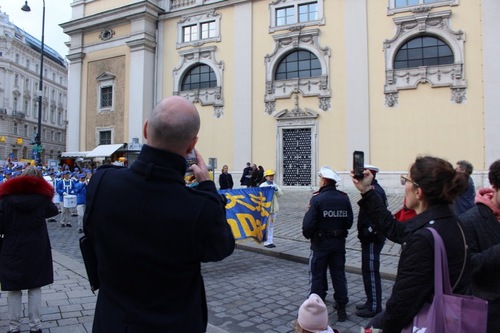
{"x": 341, "y": 314}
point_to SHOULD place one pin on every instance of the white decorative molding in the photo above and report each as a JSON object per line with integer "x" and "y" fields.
{"x": 296, "y": 112}
{"x": 106, "y": 34}
{"x": 391, "y": 99}
{"x": 458, "y": 95}
{"x": 104, "y": 80}
{"x": 205, "y": 96}
{"x": 197, "y": 20}
{"x": 313, "y": 86}
{"x": 422, "y": 7}
{"x": 276, "y": 5}
{"x": 424, "y": 24}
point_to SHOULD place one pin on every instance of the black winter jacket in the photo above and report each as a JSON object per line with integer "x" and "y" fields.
{"x": 151, "y": 233}
{"x": 483, "y": 237}
{"x": 26, "y": 257}
{"x": 414, "y": 283}
{"x": 366, "y": 232}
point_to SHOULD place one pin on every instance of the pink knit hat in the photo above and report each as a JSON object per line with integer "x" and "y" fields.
{"x": 313, "y": 315}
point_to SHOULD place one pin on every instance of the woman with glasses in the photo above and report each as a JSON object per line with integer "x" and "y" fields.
{"x": 430, "y": 187}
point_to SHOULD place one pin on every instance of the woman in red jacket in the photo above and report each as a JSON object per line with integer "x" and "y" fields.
{"x": 26, "y": 257}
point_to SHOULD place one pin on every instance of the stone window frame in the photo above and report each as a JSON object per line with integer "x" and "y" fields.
{"x": 278, "y": 4}
{"x": 198, "y": 20}
{"x": 99, "y": 130}
{"x": 452, "y": 75}
{"x": 309, "y": 87}
{"x": 205, "y": 96}
{"x": 421, "y": 7}
{"x": 106, "y": 80}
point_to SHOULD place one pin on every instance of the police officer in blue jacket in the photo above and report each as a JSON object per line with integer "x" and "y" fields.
{"x": 325, "y": 224}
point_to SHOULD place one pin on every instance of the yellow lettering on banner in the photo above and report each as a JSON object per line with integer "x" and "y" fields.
{"x": 251, "y": 226}
{"x": 234, "y": 228}
{"x": 232, "y": 200}
{"x": 262, "y": 204}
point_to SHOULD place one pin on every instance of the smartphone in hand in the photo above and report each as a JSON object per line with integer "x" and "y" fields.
{"x": 358, "y": 164}
{"x": 190, "y": 160}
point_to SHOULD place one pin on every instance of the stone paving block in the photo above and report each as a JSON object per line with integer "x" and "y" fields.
{"x": 71, "y": 314}
{"x": 47, "y": 309}
{"x": 51, "y": 316}
{"x": 71, "y": 308}
{"x": 56, "y": 302}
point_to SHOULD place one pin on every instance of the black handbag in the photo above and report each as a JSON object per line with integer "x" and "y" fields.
{"x": 86, "y": 247}
{"x": 1, "y": 225}
{"x": 90, "y": 262}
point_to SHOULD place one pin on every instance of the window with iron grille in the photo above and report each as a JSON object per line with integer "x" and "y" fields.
{"x": 106, "y": 96}
{"x": 104, "y": 137}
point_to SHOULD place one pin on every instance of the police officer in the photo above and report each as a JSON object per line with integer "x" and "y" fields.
{"x": 371, "y": 246}
{"x": 325, "y": 224}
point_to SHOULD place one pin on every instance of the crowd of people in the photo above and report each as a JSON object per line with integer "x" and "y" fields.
{"x": 151, "y": 212}
{"x": 436, "y": 193}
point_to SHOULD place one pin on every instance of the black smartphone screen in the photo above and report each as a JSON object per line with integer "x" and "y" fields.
{"x": 358, "y": 164}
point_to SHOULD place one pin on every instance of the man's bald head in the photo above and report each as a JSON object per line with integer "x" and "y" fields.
{"x": 173, "y": 125}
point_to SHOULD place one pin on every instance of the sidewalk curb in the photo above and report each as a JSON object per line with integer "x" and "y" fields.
{"x": 298, "y": 255}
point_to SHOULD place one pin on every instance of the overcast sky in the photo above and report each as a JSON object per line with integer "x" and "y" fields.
{"x": 56, "y": 12}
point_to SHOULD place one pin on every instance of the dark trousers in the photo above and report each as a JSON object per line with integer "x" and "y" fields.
{"x": 370, "y": 268}
{"x": 319, "y": 262}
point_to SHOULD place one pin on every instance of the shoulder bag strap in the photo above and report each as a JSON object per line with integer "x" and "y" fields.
{"x": 465, "y": 256}
{"x": 441, "y": 274}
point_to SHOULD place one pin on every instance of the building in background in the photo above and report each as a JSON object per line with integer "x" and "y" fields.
{"x": 294, "y": 84}
{"x": 19, "y": 80}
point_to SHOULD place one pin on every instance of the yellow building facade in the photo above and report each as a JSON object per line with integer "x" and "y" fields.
{"x": 293, "y": 84}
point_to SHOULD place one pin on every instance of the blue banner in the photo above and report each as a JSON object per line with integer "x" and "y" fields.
{"x": 247, "y": 211}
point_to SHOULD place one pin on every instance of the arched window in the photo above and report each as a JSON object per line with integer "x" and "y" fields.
{"x": 298, "y": 64}
{"x": 423, "y": 51}
{"x": 199, "y": 77}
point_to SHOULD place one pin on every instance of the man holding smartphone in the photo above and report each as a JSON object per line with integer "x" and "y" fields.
{"x": 372, "y": 243}
{"x": 151, "y": 233}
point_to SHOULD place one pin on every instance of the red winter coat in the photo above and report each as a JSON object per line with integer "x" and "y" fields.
{"x": 25, "y": 256}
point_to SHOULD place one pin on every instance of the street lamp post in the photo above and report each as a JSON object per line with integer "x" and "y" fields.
{"x": 38, "y": 137}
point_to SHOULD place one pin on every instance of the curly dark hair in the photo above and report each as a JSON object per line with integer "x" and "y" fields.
{"x": 438, "y": 179}
{"x": 494, "y": 174}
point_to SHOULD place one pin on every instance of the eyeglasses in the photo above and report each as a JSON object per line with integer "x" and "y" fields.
{"x": 404, "y": 179}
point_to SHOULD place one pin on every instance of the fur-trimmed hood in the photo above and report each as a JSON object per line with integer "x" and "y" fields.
{"x": 26, "y": 185}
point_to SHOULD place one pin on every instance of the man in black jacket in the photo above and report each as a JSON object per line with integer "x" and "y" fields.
{"x": 325, "y": 224}
{"x": 151, "y": 232}
{"x": 482, "y": 229}
{"x": 372, "y": 243}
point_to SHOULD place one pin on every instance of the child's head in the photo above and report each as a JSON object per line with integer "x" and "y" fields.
{"x": 313, "y": 315}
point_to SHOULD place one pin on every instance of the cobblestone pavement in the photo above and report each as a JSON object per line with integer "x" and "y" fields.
{"x": 293, "y": 206}
{"x": 247, "y": 292}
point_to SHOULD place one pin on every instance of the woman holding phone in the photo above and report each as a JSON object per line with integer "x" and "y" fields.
{"x": 431, "y": 185}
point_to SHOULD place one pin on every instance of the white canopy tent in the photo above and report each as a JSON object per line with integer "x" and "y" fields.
{"x": 74, "y": 154}
{"x": 104, "y": 150}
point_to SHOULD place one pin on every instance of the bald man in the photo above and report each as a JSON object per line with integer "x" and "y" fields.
{"x": 150, "y": 231}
